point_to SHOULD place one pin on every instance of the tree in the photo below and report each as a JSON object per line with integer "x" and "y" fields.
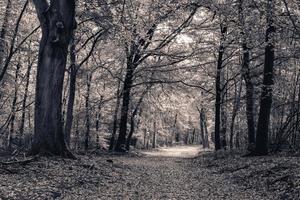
{"x": 247, "y": 77}
{"x": 261, "y": 147}
{"x": 57, "y": 21}
{"x": 218, "y": 100}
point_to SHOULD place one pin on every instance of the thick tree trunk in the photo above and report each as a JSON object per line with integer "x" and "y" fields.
{"x": 261, "y": 147}
{"x": 120, "y": 146}
{"x": 57, "y": 22}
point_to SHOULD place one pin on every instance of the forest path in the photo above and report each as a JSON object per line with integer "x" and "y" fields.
{"x": 162, "y": 174}
{"x": 172, "y": 173}
{"x": 176, "y": 152}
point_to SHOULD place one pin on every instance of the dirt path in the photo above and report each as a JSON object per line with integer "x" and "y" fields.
{"x": 168, "y": 173}
{"x": 175, "y": 152}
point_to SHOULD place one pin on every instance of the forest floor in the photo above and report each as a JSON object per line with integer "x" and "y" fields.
{"x": 167, "y": 173}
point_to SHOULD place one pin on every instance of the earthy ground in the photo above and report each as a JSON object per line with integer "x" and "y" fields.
{"x": 169, "y": 173}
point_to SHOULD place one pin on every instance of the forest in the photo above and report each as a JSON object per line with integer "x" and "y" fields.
{"x": 149, "y": 99}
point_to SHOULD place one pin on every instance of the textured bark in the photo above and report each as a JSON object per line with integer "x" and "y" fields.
{"x": 261, "y": 147}
{"x": 57, "y": 23}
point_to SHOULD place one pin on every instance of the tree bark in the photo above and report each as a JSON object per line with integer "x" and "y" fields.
{"x": 261, "y": 147}
{"x": 120, "y": 146}
{"x": 87, "y": 112}
{"x": 132, "y": 118}
{"x": 115, "y": 120}
{"x": 72, "y": 92}
{"x": 246, "y": 73}
{"x": 57, "y": 23}
{"x": 236, "y": 108}
{"x": 218, "y": 101}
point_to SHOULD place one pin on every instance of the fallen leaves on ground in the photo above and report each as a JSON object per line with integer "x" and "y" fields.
{"x": 122, "y": 177}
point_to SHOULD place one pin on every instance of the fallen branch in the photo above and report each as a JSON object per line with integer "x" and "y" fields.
{"x": 21, "y": 162}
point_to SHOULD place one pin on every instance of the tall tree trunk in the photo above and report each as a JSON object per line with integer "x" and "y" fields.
{"x": 261, "y": 147}
{"x": 72, "y": 92}
{"x": 236, "y": 107}
{"x": 120, "y": 146}
{"x": 249, "y": 97}
{"x": 223, "y": 114}
{"x": 57, "y": 23}
{"x": 218, "y": 101}
{"x": 246, "y": 73}
{"x": 87, "y": 112}
{"x": 115, "y": 120}
{"x": 23, "y": 115}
